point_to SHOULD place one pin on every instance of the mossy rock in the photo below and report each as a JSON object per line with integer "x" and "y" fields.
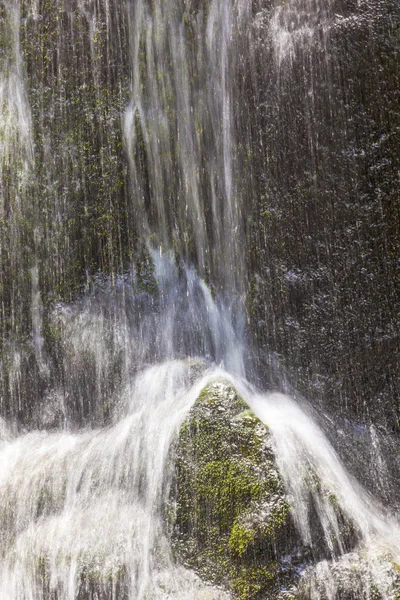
{"x": 231, "y": 518}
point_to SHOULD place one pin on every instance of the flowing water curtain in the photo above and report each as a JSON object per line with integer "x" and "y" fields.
{"x": 82, "y": 215}
{"x": 305, "y": 61}
{"x": 77, "y": 78}
{"x": 180, "y": 131}
{"x": 64, "y": 209}
{"x": 18, "y": 208}
{"x": 326, "y": 133}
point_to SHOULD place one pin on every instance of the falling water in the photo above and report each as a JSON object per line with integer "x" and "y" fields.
{"x": 82, "y": 496}
{"x": 181, "y": 114}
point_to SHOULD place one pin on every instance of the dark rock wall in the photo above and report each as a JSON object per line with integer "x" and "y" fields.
{"x": 324, "y": 230}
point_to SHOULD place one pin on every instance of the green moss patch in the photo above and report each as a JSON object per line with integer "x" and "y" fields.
{"x": 231, "y": 520}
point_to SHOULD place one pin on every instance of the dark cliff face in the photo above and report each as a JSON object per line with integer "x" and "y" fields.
{"x": 317, "y": 179}
{"x": 324, "y": 232}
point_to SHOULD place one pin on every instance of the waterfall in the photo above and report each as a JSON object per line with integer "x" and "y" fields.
{"x": 180, "y": 114}
{"x": 125, "y": 175}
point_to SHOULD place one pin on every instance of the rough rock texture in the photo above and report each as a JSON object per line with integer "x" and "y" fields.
{"x": 353, "y": 576}
{"x": 231, "y": 517}
{"x": 324, "y": 236}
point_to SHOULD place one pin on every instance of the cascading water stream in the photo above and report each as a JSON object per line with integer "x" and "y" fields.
{"x": 76, "y": 505}
{"x": 181, "y": 116}
{"x": 89, "y": 503}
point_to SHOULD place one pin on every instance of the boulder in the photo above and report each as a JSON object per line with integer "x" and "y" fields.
{"x": 230, "y": 516}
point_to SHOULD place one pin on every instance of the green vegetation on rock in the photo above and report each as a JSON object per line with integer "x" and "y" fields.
{"x": 231, "y": 520}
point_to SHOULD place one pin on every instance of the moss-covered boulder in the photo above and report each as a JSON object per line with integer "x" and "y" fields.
{"x": 231, "y": 518}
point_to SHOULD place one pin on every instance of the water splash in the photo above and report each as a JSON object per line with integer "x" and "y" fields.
{"x": 87, "y": 507}
{"x": 108, "y": 336}
{"x": 325, "y": 496}
{"x": 299, "y": 26}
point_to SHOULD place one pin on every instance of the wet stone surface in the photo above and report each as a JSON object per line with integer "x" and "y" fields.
{"x": 231, "y": 518}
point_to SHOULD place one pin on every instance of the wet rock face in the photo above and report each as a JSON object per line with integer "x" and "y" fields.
{"x": 325, "y": 227}
{"x": 231, "y": 518}
{"x": 354, "y": 576}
